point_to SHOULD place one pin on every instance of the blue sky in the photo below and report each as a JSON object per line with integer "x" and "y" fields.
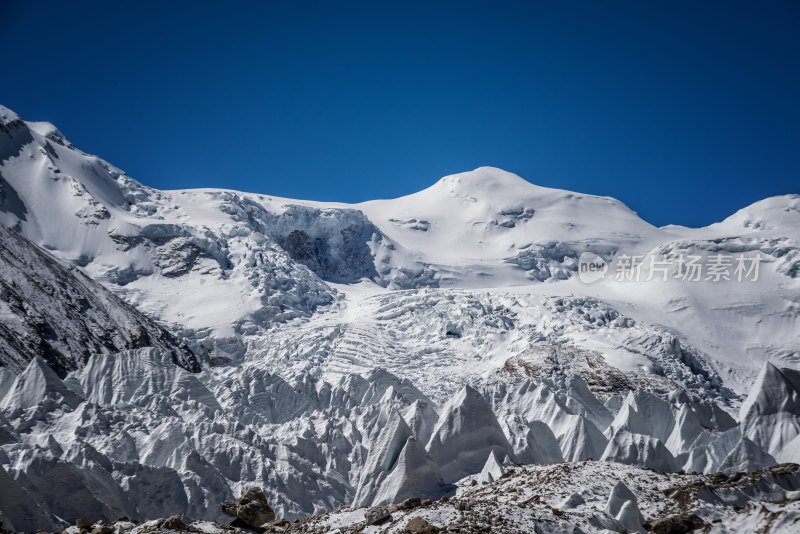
{"x": 686, "y": 111}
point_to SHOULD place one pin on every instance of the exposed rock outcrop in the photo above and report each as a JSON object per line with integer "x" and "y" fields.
{"x": 251, "y": 508}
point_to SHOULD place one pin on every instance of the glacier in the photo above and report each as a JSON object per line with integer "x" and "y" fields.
{"x": 164, "y": 351}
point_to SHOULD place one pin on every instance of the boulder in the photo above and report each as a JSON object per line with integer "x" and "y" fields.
{"x": 173, "y": 523}
{"x": 84, "y": 522}
{"x": 408, "y": 504}
{"x": 417, "y": 525}
{"x": 251, "y": 508}
{"x": 377, "y": 515}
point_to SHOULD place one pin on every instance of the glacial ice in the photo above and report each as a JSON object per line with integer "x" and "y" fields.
{"x": 465, "y": 434}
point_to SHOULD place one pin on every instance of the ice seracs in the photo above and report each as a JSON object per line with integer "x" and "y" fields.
{"x": 421, "y": 417}
{"x": 644, "y": 413}
{"x": 465, "y": 434}
{"x": 582, "y": 402}
{"x": 382, "y": 457}
{"x": 685, "y": 432}
{"x": 354, "y": 433}
{"x": 34, "y": 385}
{"x": 540, "y": 445}
{"x": 27, "y": 513}
{"x": 492, "y": 469}
{"x": 125, "y": 377}
{"x": 580, "y": 439}
{"x": 770, "y": 416}
{"x": 414, "y": 474}
{"x": 636, "y": 449}
{"x": 622, "y": 506}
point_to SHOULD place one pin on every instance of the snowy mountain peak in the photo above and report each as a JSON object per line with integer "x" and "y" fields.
{"x": 485, "y": 181}
{"x": 500, "y": 188}
{"x": 779, "y": 213}
{"x": 50, "y": 131}
{"x": 494, "y": 189}
{"x": 7, "y": 116}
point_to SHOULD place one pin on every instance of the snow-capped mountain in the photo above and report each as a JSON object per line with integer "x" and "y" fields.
{"x": 364, "y": 354}
{"x": 265, "y": 261}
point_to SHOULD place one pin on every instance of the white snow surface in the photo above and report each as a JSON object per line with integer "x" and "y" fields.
{"x": 363, "y": 354}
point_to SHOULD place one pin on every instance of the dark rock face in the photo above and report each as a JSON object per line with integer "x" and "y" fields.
{"x": 251, "y": 509}
{"x": 13, "y": 136}
{"x": 63, "y": 316}
{"x": 176, "y": 250}
{"x": 300, "y": 246}
{"x": 10, "y": 200}
{"x": 173, "y": 523}
{"x": 377, "y": 515}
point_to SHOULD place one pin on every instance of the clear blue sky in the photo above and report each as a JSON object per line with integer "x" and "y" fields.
{"x": 685, "y": 110}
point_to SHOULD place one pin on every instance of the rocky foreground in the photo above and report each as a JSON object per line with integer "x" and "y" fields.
{"x": 572, "y": 497}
